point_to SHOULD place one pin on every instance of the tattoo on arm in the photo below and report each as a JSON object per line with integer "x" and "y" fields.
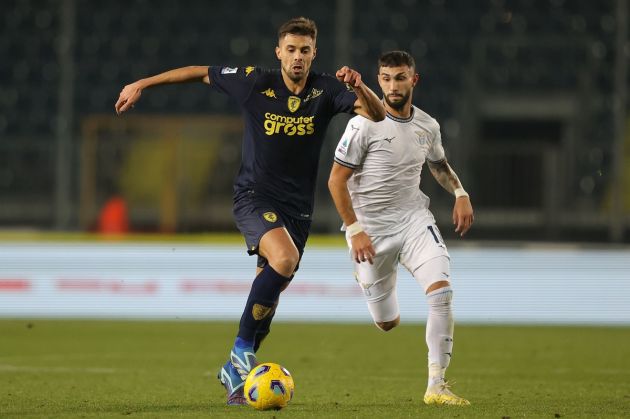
{"x": 445, "y": 176}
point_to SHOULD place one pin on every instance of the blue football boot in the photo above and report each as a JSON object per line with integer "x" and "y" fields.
{"x": 243, "y": 360}
{"x": 233, "y": 383}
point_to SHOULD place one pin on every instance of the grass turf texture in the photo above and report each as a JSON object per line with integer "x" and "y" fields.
{"x": 56, "y": 368}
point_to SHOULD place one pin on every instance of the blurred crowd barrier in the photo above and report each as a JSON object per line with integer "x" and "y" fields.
{"x": 568, "y": 285}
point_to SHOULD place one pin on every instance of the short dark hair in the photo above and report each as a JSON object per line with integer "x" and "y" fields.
{"x": 396, "y": 59}
{"x": 298, "y": 26}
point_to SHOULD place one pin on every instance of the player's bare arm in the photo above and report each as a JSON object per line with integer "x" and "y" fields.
{"x": 368, "y": 104}
{"x": 131, "y": 93}
{"x": 462, "y": 211}
{"x": 362, "y": 249}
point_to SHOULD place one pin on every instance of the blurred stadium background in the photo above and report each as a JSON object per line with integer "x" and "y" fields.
{"x": 531, "y": 96}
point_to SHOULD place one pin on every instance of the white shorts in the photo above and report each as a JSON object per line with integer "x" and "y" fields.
{"x": 419, "y": 248}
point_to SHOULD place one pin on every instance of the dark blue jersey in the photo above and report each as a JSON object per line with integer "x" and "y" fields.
{"x": 283, "y": 134}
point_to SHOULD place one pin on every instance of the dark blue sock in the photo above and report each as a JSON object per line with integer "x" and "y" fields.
{"x": 265, "y": 326}
{"x": 263, "y": 330}
{"x": 261, "y": 302}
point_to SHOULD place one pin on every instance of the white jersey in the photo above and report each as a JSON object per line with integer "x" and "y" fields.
{"x": 387, "y": 158}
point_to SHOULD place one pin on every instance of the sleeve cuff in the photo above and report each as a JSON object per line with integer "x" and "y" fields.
{"x": 344, "y": 163}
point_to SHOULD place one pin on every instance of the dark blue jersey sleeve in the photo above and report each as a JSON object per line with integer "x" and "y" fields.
{"x": 343, "y": 97}
{"x": 236, "y": 82}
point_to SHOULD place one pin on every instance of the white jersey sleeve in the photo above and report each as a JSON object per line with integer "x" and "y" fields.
{"x": 436, "y": 152}
{"x": 353, "y": 146}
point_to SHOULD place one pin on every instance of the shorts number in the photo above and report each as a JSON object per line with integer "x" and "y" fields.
{"x": 436, "y": 235}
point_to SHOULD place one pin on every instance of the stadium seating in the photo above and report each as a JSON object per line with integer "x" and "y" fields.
{"x": 510, "y": 46}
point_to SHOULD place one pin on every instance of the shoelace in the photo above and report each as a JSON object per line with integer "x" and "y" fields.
{"x": 446, "y": 386}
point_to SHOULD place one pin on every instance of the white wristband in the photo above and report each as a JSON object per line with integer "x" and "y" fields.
{"x": 460, "y": 192}
{"x": 354, "y": 229}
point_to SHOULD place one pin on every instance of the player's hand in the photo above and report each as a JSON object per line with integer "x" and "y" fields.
{"x": 462, "y": 215}
{"x": 362, "y": 249}
{"x": 349, "y": 76}
{"x": 128, "y": 96}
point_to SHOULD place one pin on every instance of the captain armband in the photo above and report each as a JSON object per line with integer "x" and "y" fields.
{"x": 354, "y": 229}
{"x": 460, "y": 192}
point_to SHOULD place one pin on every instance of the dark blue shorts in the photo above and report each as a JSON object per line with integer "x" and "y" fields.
{"x": 255, "y": 217}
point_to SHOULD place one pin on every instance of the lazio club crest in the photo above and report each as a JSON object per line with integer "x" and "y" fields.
{"x": 270, "y": 216}
{"x": 293, "y": 103}
{"x": 422, "y": 137}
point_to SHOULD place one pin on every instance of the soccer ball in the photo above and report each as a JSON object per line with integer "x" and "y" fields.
{"x": 268, "y": 386}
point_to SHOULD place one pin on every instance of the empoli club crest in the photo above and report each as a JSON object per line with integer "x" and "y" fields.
{"x": 293, "y": 103}
{"x": 260, "y": 312}
{"x": 270, "y": 216}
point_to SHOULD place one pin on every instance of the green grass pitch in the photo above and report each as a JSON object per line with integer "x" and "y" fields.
{"x": 120, "y": 369}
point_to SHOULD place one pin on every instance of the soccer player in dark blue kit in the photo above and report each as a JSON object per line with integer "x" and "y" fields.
{"x": 286, "y": 114}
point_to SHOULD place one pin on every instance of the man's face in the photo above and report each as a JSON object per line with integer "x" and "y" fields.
{"x": 397, "y": 84}
{"x": 296, "y": 54}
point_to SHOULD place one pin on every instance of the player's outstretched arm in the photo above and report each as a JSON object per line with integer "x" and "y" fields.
{"x": 462, "y": 211}
{"x": 362, "y": 249}
{"x": 130, "y": 94}
{"x": 367, "y": 104}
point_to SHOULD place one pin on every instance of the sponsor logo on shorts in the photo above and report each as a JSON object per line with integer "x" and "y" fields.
{"x": 270, "y": 216}
{"x": 248, "y": 70}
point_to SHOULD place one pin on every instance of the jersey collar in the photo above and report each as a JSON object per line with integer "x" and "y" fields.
{"x": 397, "y": 119}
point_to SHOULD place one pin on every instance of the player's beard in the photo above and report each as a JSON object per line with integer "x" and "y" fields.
{"x": 296, "y": 78}
{"x": 398, "y": 104}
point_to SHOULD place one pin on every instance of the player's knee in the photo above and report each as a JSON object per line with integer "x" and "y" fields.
{"x": 284, "y": 262}
{"x": 439, "y": 301}
{"x": 387, "y": 326}
{"x": 437, "y": 285}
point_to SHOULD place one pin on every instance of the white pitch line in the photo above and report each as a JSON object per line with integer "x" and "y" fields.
{"x": 24, "y": 368}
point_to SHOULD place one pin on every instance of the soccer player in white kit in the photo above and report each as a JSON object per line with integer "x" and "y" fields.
{"x": 375, "y": 183}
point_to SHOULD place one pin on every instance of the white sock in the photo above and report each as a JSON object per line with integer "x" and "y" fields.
{"x": 439, "y": 333}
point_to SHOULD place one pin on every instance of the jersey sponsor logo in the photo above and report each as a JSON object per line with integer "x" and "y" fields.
{"x": 313, "y": 94}
{"x": 229, "y": 70}
{"x": 288, "y": 125}
{"x": 248, "y": 70}
{"x": 389, "y": 140}
{"x": 293, "y": 103}
{"x": 269, "y": 93}
{"x": 270, "y": 216}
